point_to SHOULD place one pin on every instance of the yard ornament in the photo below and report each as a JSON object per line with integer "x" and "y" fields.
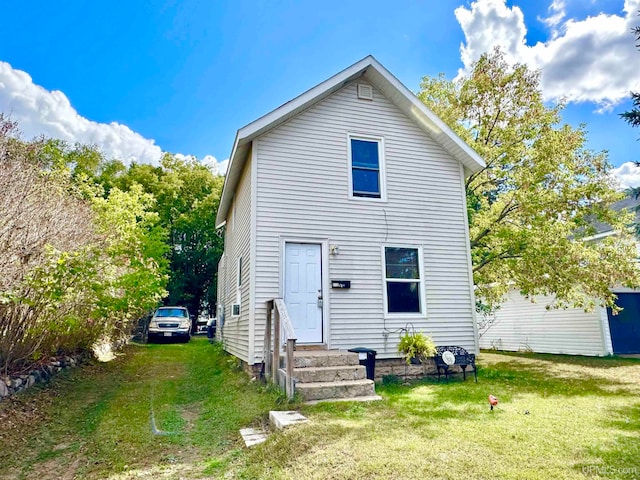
{"x": 493, "y": 401}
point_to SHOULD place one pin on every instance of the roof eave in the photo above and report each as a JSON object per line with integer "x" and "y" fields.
{"x": 265, "y": 123}
{"x": 382, "y": 79}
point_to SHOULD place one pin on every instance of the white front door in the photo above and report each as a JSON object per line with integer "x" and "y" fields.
{"x": 303, "y": 290}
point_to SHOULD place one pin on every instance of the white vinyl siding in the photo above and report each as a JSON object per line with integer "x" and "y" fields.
{"x": 238, "y": 245}
{"x": 222, "y": 279}
{"x": 521, "y": 325}
{"x": 303, "y": 193}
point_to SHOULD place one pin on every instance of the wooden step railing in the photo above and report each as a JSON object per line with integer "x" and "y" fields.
{"x": 283, "y": 336}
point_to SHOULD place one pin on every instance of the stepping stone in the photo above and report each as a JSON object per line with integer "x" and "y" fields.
{"x": 253, "y": 436}
{"x": 282, "y": 420}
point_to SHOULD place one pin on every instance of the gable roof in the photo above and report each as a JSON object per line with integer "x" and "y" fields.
{"x": 373, "y": 71}
{"x": 630, "y": 203}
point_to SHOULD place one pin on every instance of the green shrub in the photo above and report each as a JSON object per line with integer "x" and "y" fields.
{"x": 416, "y": 345}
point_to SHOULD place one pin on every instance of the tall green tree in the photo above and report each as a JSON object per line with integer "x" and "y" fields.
{"x": 187, "y": 195}
{"x": 531, "y": 209}
{"x": 136, "y": 271}
{"x": 77, "y": 264}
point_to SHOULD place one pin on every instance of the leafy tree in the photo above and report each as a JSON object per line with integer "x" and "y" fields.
{"x": 135, "y": 275}
{"x": 76, "y": 264}
{"x": 43, "y": 230}
{"x": 187, "y": 195}
{"x": 531, "y": 209}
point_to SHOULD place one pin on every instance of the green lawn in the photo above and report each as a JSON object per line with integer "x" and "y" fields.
{"x": 583, "y": 420}
{"x": 95, "y": 422}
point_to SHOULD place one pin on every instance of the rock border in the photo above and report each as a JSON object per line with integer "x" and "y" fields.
{"x": 12, "y": 384}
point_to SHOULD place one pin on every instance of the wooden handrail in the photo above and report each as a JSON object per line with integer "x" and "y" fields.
{"x": 267, "y": 341}
{"x": 282, "y": 327}
{"x": 287, "y": 326}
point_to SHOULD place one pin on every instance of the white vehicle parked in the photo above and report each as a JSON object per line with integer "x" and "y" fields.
{"x": 170, "y": 322}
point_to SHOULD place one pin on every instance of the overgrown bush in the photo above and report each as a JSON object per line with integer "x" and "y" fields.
{"x": 75, "y": 265}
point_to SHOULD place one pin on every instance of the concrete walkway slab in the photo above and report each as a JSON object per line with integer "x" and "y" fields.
{"x": 284, "y": 419}
{"x": 253, "y": 436}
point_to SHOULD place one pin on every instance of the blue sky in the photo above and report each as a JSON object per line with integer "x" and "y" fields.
{"x": 187, "y": 74}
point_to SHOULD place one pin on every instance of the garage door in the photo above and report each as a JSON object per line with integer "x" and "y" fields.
{"x": 625, "y": 326}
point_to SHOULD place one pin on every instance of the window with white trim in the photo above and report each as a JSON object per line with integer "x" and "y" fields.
{"x": 366, "y": 165}
{"x": 235, "y": 308}
{"x": 403, "y": 279}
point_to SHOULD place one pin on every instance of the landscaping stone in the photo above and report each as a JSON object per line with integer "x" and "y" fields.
{"x": 10, "y": 385}
{"x": 399, "y": 368}
{"x": 253, "y": 436}
{"x": 282, "y": 420}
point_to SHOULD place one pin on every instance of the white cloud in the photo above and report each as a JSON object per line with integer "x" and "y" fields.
{"x": 593, "y": 59}
{"x": 627, "y": 174}
{"x": 218, "y": 168}
{"x": 42, "y": 112}
{"x": 557, "y": 12}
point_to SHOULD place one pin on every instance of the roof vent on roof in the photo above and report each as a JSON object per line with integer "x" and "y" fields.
{"x": 365, "y": 92}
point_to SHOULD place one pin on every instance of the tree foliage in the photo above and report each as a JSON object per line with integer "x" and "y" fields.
{"x": 76, "y": 264}
{"x": 532, "y": 208}
{"x": 187, "y": 195}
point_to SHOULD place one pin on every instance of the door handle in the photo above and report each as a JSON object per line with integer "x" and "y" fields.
{"x": 320, "y": 298}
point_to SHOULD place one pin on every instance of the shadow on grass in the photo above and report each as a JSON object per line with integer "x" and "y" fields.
{"x": 592, "y": 362}
{"x": 506, "y": 380}
{"x": 412, "y": 418}
{"x": 620, "y": 456}
{"x": 537, "y": 377}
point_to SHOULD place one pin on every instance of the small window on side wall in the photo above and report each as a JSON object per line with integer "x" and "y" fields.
{"x": 366, "y": 165}
{"x": 235, "y": 308}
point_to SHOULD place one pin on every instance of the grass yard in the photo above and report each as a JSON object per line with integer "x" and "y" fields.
{"x": 583, "y": 420}
{"x": 94, "y": 423}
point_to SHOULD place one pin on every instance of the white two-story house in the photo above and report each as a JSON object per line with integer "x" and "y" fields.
{"x": 348, "y": 202}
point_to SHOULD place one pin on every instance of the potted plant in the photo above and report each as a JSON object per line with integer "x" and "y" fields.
{"x": 416, "y": 346}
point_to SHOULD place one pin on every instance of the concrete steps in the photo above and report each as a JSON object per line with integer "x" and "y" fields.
{"x": 331, "y": 375}
{"x": 331, "y": 390}
{"x": 324, "y": 358}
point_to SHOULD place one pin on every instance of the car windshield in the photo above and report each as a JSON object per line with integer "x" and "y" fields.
{"x": 171, "y": 312}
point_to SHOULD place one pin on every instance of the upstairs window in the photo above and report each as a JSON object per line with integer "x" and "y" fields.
{"x": 403, "y": 279}
{"x": 366, "y": 164}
